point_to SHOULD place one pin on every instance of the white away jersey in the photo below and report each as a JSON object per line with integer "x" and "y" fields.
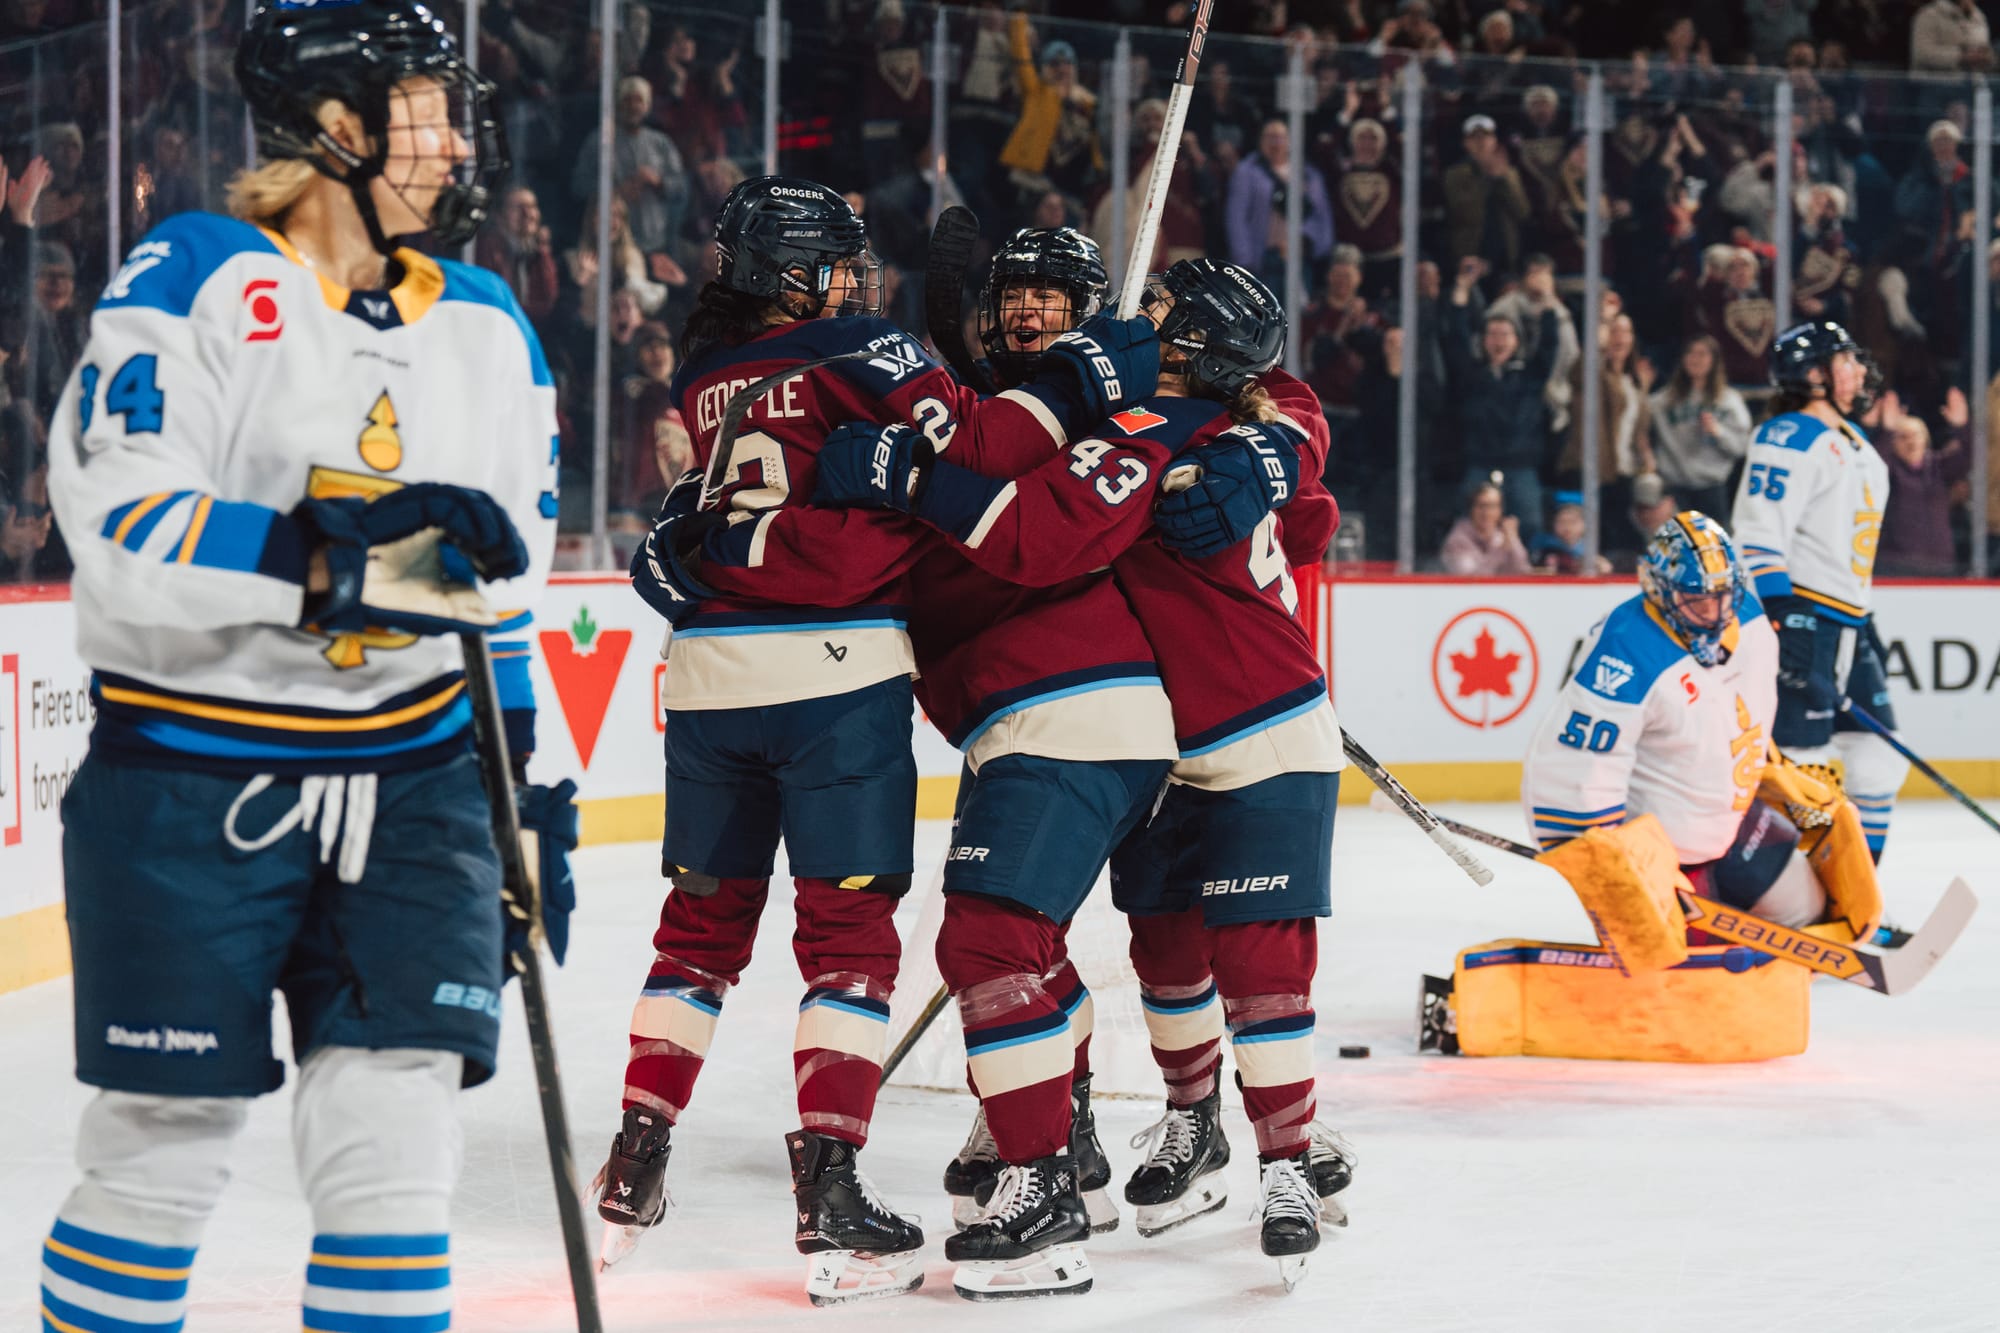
{"x": 1643, "y": 728}
{"x": 1809, "y": 513}
{"x": 224, "y": 382}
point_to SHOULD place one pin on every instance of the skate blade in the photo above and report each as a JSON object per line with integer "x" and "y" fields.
{"x": 965, "y": 1210}
{"x": 619, "y": 1241}
{"x": 1204, "y": 1196}
{"x": 1103, "y": 1212}
{"x": 1060, "y": 1270}
{"x": 1330, "y": 1211}
{"x": 838, "y": 1277}
{"x": 1292, "y": 1270}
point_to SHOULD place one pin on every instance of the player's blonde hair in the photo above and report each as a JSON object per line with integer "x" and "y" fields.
{"x": 264, "y": 192}
{"x": 1252, "y": 404}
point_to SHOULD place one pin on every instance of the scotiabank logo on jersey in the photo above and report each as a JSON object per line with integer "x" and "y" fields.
{"x": 583, "y": 662}
{"x": 1484, "y": 667}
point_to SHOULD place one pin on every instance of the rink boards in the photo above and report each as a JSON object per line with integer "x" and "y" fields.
{"x": 1442, "y": 680}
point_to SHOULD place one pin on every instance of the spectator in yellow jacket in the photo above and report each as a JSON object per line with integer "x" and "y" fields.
{"x": 1054, "y": 143}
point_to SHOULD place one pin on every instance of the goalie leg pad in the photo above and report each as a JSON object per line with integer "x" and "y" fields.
{"x": 1627, "y": 879}
{"x": 1833, "y": 839}
{"x": 1722, "y": 1004}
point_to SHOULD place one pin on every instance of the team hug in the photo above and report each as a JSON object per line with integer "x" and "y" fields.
{"x": 1083, "y": 578}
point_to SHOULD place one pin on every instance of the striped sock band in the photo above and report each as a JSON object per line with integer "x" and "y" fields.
{"x": 837, "y": 1053}
{"x": 1271, "y": 1036}
{"x": 379, "y": 1284}
{"x": 94, "y": 1283}
{"x": 672, "y": 1026}
{"x": 1184, "y": 1025}
{"x": 1875, "y": 811}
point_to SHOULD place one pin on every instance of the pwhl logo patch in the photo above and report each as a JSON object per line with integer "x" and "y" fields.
{"x": 583, "y": 662}
{"x": 1484, "y": 667}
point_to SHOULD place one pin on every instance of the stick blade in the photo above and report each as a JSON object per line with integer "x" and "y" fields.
{"x": 1905, "y": 967}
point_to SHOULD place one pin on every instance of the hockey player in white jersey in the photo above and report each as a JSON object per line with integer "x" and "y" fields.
{"x": 286, "y": 455}
{"x": 1670, "y": 714}
{"x": 1809, "y": 514}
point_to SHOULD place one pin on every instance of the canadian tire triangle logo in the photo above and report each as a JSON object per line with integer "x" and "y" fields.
{"x": 583, "y": 662}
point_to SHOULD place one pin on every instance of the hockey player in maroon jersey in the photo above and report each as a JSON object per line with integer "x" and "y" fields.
{"x": 789, "y": 699}
{"x": 1225, "y": 882}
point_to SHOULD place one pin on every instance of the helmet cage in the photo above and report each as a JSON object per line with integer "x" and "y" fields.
{"x": 1061, "y": 258}
{"x": 1691, "y": 556}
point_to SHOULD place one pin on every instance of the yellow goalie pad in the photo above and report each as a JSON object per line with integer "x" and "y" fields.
{"x": 1627, "y": 878}
{"x": 1720, "y": 1004}
{"x": 1831, "y": 839}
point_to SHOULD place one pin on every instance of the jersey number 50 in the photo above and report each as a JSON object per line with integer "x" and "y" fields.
{"x": 1579, "y": 733}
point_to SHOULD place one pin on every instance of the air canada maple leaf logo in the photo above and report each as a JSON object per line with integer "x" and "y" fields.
{"x": 1477, "y": 667}
{"x": 583, "y": 663}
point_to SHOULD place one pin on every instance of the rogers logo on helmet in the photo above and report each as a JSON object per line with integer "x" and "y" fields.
{"x": 785, "y": 192}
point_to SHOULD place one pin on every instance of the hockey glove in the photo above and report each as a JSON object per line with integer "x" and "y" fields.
{"x": 1798, "y": 652}
{"x": 1245, "y": 473}
{"x": 863, "y": 465}
{"x": 548, "y": 836}
{"x": 408, "y": 559}
{"x": 1104, "y": 365}
{"x": 660, "y": 567}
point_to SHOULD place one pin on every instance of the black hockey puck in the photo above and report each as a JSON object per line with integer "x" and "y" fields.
{"x": 1354, "y": 1052}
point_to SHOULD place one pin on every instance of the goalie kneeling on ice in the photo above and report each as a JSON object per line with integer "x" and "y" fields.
{"x": 1722, "y": 1003}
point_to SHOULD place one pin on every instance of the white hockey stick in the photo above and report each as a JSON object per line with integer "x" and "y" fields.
{"x": 1141, "y": 255}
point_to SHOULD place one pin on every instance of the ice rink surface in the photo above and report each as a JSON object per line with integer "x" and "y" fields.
{"x": 1854, "y": 1187}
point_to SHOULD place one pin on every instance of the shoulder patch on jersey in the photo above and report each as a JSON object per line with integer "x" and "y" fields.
{"x": 1631, "y": 653}
{"x": 1133, "y": 420}
{"x": 477, "y": 286}
{"x": 1793, "y": 430}
{"x": 168, "y": 269}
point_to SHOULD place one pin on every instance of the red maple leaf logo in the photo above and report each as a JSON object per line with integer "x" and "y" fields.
{"x": 1483, "y": 670}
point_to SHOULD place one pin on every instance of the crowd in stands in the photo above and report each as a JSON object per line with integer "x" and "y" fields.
{"x": 1880, "y": 183}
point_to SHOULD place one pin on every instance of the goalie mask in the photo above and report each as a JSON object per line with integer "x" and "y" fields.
{"x": 798, "y": 244}
{"x": 1043, "y": 282}
{"x": 371, "y": 56}
{"x": 1694, "y": 582}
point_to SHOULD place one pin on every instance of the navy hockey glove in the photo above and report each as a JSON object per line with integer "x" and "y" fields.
{"x": 1104, "y": 364}
{"x": 660, "y": 572}
{"x": 863, "y": 465}
{"x": 384, "y": 573}
{"x": 548, "y": 836}
{"x": 1798, "y": 650}
{"x": 1245, "y": 474}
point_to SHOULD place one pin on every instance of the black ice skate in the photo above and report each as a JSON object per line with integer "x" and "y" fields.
{"x": 969, "y": 1177}
{"x": 1330, "y": 1167}
{"x": 1026, "y": 1241}
{"x": 1437, "y": 1025}
{"x": 1181, "y": 1176}
{"x": 631, "y": 1186}
{"x": 1093, "y": 1168}
{"x": 1288, "y": 1215}
{"x": 859, "y": 1248}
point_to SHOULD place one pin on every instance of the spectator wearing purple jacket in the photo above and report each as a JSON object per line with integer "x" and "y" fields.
{"x": 1916, "y": 521}
{"x": 1255, "y": 212}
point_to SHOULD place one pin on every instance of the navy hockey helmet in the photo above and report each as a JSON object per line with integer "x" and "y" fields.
{"x": 1225, "y": 321}
{"x": 782, "y": 238}
{"x": 1058, "y": 257}
{"x": 297, "y": 54}
{"x": 1692, "y": 577}
{"x": 1803, "y": 348}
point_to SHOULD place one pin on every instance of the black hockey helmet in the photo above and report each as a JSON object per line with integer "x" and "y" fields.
{"x": 1060, "y": 257}
{"x": 781, "y": 237}
{"x": 297, "y": 54}
{"x": 1811, "y": 346}
{"x": 1225, "y": 321}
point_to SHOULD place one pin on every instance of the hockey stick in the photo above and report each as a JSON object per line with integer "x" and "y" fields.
{"x": 1399, "y": 796}
{"x": 932, "y": 1008}
{"x": 950, "y": 253}
{"x": 739, "y": 406}
{"x": 1155, "y": 206}
{"x": 519, "y": 896}
{"x": 1887, "y": 974}
{"x": 1945, "y": 785}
